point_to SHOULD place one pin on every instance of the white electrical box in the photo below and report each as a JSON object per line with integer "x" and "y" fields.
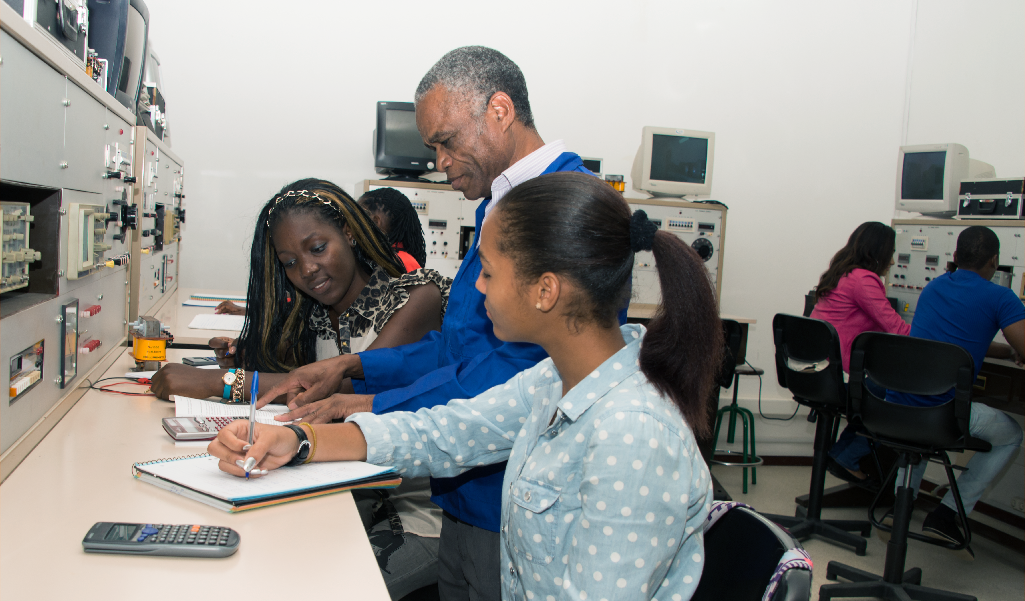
{"x": 87, "y": 228}
{"x": 701, "y": 226}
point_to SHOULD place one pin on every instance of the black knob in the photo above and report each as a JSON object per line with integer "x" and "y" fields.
{"x": 704, "y": 248}
{"x": 129, "y": 179}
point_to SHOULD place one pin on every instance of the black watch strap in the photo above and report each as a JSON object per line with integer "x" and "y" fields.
{"x": 304, "y": 446}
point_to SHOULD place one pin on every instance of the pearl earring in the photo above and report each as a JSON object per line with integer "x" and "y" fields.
{"x": 538, "y": 306}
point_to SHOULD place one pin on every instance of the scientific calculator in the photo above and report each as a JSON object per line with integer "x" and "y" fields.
{"x": 181, "y": 540}
{"x": 195, "y": 428}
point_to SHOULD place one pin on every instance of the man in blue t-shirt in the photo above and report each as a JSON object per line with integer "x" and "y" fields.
{"x": 965, "y": 308}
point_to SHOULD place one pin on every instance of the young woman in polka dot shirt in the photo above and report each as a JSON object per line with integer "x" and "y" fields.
{"x": 605, "y": 489}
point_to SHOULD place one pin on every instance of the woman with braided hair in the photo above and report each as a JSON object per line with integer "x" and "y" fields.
{"x": 325, "y": 281}
{"x": 395, "y": 215}
{"x": 605, "y": 490}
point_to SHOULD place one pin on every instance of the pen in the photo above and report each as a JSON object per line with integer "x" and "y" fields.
{"x": 254, "y": 387}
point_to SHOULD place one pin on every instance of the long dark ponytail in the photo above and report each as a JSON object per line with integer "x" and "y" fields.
{"x": 576, "y": 225}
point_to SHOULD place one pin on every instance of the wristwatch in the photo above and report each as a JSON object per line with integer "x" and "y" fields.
{"x": 304, "y": 446}
{"x": 228, "y": 379}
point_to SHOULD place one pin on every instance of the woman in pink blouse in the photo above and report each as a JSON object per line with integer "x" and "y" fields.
{"x": 852, "y": 298}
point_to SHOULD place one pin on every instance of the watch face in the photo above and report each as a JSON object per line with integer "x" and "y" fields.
{"x": 228, "y": 378}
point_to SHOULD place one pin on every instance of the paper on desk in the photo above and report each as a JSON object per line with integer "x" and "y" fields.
{"x": 149, "y": 374}
{"x": 188, "y": 407}
{"x": 219, "y": 297}
{"x": 210, "y": 321}
{"x": 209, "y": 303}
{"x": 191, "y": 444}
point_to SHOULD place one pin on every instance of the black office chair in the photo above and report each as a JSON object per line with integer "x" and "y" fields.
{"x": 742, "y": 555}
{"x": 809, "y": 364}
{"x": 915, "y": 366}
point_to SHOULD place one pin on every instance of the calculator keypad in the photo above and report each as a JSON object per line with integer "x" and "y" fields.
{"x": 187, "y": 534}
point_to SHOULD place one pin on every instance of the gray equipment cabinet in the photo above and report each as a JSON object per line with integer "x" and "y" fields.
{"x": 67, "y": 193}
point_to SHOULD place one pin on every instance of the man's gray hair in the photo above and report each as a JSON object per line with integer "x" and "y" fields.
{"x": 479, "y": 72}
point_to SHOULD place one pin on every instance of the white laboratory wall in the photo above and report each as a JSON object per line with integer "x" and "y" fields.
{"x": 807, "y": 100}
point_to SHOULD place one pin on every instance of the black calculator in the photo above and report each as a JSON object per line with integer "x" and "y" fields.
{"x": 181, "y": 540}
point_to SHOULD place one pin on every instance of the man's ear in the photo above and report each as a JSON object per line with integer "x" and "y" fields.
{"x": 501, "y": 110}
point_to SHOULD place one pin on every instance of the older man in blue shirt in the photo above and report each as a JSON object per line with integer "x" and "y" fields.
{"x": 472, "y": 108}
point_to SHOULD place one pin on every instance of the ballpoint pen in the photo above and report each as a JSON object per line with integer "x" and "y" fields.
{"x": 253, "y": 388}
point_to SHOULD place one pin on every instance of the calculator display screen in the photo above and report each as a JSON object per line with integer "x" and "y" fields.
{"x": 121, "y": 532}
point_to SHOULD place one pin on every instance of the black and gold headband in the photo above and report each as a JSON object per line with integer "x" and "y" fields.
{"x": 304, "y": 197}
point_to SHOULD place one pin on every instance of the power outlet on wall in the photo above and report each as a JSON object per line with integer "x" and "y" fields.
{"x": 1018, "y": 503}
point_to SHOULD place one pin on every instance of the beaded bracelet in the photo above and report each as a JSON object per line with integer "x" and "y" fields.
{"x": 313, "y": 435}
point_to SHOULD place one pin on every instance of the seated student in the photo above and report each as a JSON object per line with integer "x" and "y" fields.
{"x": 965, "y": 308}
{"x": 395, "y": 215}
{"x": 392, "y": 212}
{"x": 323, "y": 282}
{"x": 851, "y": 297}
{"x": 605, "y": 490}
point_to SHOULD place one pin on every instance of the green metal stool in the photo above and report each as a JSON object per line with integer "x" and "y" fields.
{"x": 748, "y": 459}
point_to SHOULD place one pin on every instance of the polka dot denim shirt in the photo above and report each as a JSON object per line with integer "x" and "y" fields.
{"x": 605, "y": 490}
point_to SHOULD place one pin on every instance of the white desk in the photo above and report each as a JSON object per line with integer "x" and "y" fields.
{"x": 81, "y": 473}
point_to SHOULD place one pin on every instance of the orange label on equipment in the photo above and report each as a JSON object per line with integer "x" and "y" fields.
{"x": 149, "y": 349}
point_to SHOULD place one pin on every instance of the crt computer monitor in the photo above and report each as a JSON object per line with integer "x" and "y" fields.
{"x": 674, "y": 162}
{"x": 398, "y": 148}
{"x": 118, "y": 31}
{"x": 929, "y": 177}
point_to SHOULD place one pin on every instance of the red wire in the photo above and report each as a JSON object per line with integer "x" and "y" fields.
{"x": 141, "y": 382}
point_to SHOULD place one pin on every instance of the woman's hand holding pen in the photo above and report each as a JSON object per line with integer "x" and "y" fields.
{"x": 273, "y": 447}
{"x": 225, "y": 349}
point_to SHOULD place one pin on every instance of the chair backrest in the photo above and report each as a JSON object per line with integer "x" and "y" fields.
{"x": 809, "y": 303}
{"x": 808, "y": 361}
{"x": 731, "y": 335}
{"x": 742, "y": 551}
{"x": 914, "y": 366}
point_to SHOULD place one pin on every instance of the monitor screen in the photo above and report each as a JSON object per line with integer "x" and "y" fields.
{"x": 678, "y": 158}
{"x": 401, "y": 136}
{"x": 922, "y": 176}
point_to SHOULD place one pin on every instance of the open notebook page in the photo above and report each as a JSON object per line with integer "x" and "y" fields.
{"x": 202, "y": 474}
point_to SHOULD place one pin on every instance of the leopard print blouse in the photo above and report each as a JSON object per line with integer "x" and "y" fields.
{"x": 366, "y": 317}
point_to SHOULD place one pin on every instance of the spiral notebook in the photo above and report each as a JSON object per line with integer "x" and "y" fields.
{"x": 198, "y": 477}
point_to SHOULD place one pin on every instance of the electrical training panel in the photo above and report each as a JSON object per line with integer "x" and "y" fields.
{"x": 65, "y": 195}
{"x": 448, "y": 221}
{"x": 925, "y": 247}
{"x": 699, "y": 225}
{"x": 159, "y": 192}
